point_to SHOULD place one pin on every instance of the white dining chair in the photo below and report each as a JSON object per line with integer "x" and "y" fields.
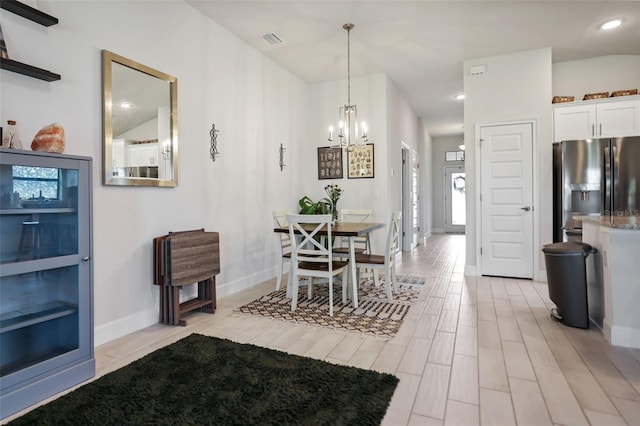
{"x": 312, "y": 258}
{"x": 361, "y": 244}
{"x": 284, "y": 244}
{"x": 387, "y": 260}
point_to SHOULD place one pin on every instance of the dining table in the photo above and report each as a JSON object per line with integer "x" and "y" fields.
{"x": 350, "y": 230}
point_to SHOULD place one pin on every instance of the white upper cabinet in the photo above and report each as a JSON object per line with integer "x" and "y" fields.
{"x": 597, "y": 119}
{"x": 618, "y": 119}
{"x": 141, "y": 155}
{"x": 118, "y": 157}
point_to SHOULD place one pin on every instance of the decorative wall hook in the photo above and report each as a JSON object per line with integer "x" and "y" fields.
{"x": 213, "y": 151}
{"x": 282, "y": 150}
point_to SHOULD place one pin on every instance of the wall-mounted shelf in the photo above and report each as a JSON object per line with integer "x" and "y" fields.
{"x": 28, "y": 70}
{"x": 39, "y": 17}
{"x": 28, "y": 12}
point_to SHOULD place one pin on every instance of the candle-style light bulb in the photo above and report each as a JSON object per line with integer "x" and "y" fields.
{"x": 341, "y": 130}
{"x": 330, "y": 133}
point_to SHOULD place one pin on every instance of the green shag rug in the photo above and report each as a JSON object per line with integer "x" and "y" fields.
{"x": 203, "y": 380}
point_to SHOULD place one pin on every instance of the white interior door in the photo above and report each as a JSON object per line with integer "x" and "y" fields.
{"x": 410, "y": 178}
{"x": 506, "y": 197}
{"x": 415, "y": 198}
{"x": 455, "y": 210}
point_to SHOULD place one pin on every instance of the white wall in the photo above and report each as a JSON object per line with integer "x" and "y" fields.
{"x": 441, "y": 144}
{"x": 593, "y": 75}
{"x": 368, "y": 94}
{"x": 390, "y": 120}
{"x": 403, "y": 128}
{"x": 425, "y": 148}
{"x": 515, "y": 87}
{"x": 255, "y": 104}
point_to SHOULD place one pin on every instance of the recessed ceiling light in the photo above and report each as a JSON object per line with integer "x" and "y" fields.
{"x": 460, "y": 96}
{"x": 611, "y": 24}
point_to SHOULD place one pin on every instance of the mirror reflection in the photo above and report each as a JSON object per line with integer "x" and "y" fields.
{"x": 139, "y": 123}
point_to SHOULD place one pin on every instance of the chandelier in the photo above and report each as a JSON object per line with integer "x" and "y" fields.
{"x": 349, "y": 134}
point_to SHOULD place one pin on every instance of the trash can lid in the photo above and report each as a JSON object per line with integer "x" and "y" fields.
{"x": 569, "y": 248}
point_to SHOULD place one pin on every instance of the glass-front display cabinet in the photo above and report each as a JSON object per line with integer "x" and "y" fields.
{"x": 46, "y": 278}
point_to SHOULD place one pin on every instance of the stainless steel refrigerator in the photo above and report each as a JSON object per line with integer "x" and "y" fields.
{"x": 594, "y": 177}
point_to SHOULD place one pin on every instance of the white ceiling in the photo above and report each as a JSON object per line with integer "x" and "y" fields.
{"x": 421, "y": 45}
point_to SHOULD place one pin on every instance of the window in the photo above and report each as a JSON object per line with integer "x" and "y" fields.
{"x": 454, "y": 156}
{"x": 34, "y": 182}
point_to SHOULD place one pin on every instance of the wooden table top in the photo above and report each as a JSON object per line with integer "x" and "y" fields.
{"x": 342, "y": 229}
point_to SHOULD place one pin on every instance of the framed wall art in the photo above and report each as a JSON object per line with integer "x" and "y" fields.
{"x": 330, "y": 163}
{"x": 360, "y": 162}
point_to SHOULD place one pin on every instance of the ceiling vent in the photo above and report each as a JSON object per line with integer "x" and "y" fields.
{"x": 272, "y": 38}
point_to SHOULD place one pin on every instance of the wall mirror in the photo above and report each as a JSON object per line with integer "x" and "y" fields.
{"x": 140, "y": 124}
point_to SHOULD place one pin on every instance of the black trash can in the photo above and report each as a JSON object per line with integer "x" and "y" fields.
{"x": 567, "y": 281}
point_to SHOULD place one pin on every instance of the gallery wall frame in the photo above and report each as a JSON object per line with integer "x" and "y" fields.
{"x": 330, "y": 163}
{"x": 360, "y": 162}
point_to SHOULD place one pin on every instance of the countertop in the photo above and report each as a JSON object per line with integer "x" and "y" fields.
{"x": 619, "y": 222}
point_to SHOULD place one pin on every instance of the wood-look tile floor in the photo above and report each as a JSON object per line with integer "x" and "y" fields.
{"x": 471, "y": 351}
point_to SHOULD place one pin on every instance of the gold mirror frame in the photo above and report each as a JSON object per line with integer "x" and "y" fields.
{"x": 120, "y": 174}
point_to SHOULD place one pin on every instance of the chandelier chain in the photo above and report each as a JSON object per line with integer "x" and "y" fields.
{"x": 348, "y": 66}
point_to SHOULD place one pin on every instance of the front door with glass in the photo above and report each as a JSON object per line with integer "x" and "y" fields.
{"x": 455, "y": 199}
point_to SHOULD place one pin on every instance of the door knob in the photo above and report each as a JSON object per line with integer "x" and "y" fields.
{"x": 525, "y": 208}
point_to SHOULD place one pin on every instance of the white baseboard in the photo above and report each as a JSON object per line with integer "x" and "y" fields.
{"x": 437, "y": 231}
{"x": 231, "y": 287}
{"x": 471, "y": 270}
{"x": 122, "y": 326}
{"x": 541, "y": 276}
{"x": 625, "y": 336}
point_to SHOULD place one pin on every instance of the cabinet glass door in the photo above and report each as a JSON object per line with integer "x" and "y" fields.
{"x": 39, "y": 213}
{"x": 39, "y": 317}
{"x": 44, "y": 308}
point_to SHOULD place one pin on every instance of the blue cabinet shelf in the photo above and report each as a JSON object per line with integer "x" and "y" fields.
{"x": 19, "y": 319}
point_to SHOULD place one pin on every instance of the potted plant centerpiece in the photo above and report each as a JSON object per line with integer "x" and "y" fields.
{"x": 324, "y": 205}
{"x": 334, "y": 191}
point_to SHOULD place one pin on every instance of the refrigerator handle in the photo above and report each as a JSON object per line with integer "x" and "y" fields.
{"x": 607, "y": 181}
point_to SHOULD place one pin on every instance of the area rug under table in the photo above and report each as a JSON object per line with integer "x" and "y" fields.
{"x": 375, "y": 315}
{"x": 203, "y": 380}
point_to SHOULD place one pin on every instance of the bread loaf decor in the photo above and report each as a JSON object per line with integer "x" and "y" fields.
{"x": 560, "y": 99}
{"x": 599, "y": 95}
{"x": 50, "y": 139}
